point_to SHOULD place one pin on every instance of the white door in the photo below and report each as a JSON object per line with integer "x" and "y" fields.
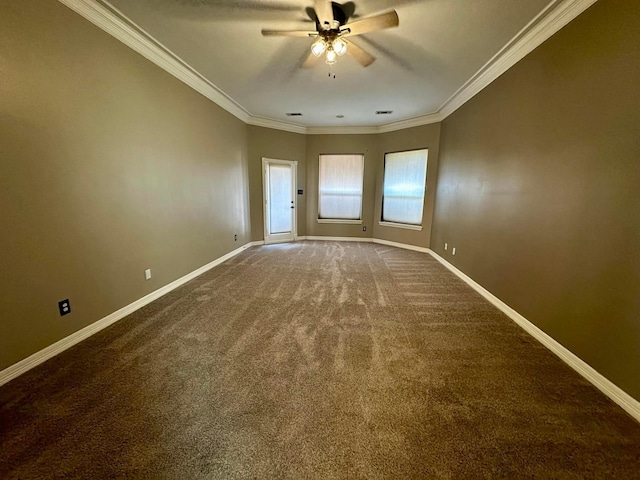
{"x": 279, "y": 182}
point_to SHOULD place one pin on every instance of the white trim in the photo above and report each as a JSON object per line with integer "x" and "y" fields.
{"x": 427, "y": 119}
{"x": 340, "y": 220}
{"x": 339, "y": 239}
{"x": 406, "y": 246}
{"x": 276, "y": 124}
{"x": 60, "y": 346}
{"x": 287, "y": 236}
{"x": 400, "y": 225}
{"x": 346, "y": 130}
{"x": 259, "y": 243}
{"x": 358, "y": 130}
{"x": 549, "y": 21}
{"x": 116, "y": 24}
{"x": 606, "y": 386}
{"x": 615, "y": 393}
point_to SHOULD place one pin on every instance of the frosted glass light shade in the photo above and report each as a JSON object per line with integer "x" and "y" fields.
{"x": 339, "y": 46}
{"x": 318, "y": 47}
{"x": 331, "y": 56}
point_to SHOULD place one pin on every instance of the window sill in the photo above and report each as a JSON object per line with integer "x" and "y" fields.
{"x": 339, "y": 220}
{"x": 406, "y": 226}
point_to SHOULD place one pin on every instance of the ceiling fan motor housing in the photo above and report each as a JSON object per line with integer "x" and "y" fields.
{"x": 339, "y": 18}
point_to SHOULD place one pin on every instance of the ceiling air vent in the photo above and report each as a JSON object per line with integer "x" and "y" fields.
{"x": 293, "y": 114}
{"x": 384, "y": 112}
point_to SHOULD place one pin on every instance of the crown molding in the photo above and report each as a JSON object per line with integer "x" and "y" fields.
{"x": 554, "y": 17}
{"x": 428, "y": 119}
{"x": 276, "y": 124}
{"x": 387, "y": 127}
{"x": 549, "y": 21}
{"x": 346, "y": 130}
{"x": 116, "y": 24}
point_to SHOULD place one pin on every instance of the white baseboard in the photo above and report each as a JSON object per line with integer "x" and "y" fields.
{"x": 606, "y": 386}
{"x": 401, "y": 245}
{"x": 257, "y": 243}
{"x": 339, "y": 239}
{"x": 615, "y": 393}
{"x": 46, "y": 353}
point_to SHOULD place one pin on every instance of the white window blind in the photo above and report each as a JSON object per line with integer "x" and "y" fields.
{"x": 405, "y": 176}
{"x": 340, "y": 187}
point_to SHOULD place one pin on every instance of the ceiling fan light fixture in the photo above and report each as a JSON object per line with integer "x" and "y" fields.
{"x": 318, "y": 47}
{"x": 332, "y": 25}
{"x": 339, "y": 46}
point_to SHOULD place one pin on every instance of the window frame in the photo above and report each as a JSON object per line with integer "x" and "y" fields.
{"x": 407, "y": 226}
{"x": 357, "y": 221}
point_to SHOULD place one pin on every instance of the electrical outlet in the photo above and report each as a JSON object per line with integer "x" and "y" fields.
{"x": 364, "y": 229}
{"x": 453, "y": 252}
{"x": 147, "y": 274}
{"x": 445, "y": 245}
{"x": 235, "y": 238}
{"x": 64, "y": 306}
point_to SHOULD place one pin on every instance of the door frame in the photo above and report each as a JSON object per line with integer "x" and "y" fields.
{"x": 265, "y": 199}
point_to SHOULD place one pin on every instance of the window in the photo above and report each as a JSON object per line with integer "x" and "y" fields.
{"x": 340, "y": 188}
{"x": 405, "y": 177}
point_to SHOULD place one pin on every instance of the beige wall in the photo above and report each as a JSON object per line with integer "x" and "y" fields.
{"x": 320, "y": 144}
{"x": 426, "y": 136}
{"x": 539, "y": 189}
{"x": 109, "y": 166}
{"x": 266, "y": 142}
{"x": 279, "y": 145}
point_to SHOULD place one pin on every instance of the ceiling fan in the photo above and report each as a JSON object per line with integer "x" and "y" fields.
{"x": 333, "y": 29}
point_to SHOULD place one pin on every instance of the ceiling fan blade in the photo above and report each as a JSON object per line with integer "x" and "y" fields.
{"x": 364, "y": 58}
{"x": 324, "y": 12}
{"x": 375, "y": 22}
{"x": 311, "y": 61}
{"x": 288, "y": 33}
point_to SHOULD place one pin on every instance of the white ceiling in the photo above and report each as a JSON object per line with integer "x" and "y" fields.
{"x": 439, "y": 46}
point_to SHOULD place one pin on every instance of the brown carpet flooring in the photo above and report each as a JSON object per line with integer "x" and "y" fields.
{"x": 314, "y": 360}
